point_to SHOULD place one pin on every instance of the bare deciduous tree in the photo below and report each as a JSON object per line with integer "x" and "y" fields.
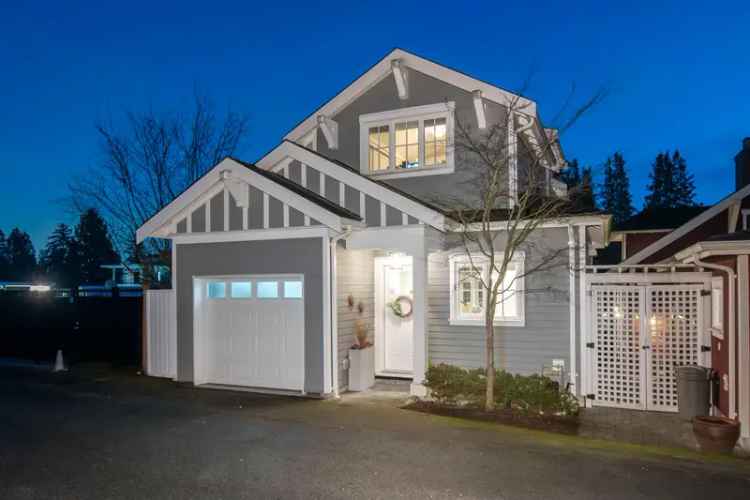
{"x": 150, "y": 161}
{"x": 511, "y": 197}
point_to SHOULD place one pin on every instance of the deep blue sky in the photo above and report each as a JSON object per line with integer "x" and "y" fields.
{"x": 679, "y": 75}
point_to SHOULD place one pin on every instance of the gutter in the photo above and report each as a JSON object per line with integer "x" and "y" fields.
{"x": 731, "y": 277}
{"x": 334, "y": 311}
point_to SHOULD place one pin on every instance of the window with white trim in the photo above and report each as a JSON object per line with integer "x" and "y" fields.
{"x": 409, "y": 141}
{"x": 717, "y": 307}
{"x": 468, "y": 293}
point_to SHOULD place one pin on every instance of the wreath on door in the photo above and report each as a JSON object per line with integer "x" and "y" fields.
{"x": 402, "y": 306}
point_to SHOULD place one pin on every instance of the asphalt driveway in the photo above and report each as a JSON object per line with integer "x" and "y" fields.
{"x": 99, "y": 433}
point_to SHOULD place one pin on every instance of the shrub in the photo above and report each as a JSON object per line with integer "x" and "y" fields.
{"x": 532, "y": 394}
{"x": 450, "y": 384}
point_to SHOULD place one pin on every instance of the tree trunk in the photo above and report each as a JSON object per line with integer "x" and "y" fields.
{"x": 489, "y": 403}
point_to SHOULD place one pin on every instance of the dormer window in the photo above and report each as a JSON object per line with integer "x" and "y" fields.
{"x": 407, "y": 142}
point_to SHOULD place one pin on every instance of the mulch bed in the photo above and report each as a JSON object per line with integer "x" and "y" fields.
{"x": 552, "y": 423}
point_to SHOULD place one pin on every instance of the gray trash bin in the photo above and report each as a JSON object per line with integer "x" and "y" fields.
{"x": 693, "y": 391}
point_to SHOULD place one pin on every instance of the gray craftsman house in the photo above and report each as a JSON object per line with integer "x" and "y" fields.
{"x": 276, "y": 261}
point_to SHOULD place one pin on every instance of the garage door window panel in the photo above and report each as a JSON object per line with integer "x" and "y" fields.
{"x": 293, "y": 289}
{"x": 242, "y": 289}
{"x": 268, "y": 289}
{"x": 217, "y": 289}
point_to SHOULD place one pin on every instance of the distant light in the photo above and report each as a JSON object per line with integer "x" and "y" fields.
{"x": 40, "y": 288}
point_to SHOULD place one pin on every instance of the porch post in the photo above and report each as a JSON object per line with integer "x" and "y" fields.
{"x": 419, "y": 270}
{"x": 743, "y": 348}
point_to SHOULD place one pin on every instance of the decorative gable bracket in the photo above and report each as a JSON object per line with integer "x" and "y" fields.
{"x": 237, "y": 188}
{"x": 528, "y": 129}
{"x": 479, "y": 109}
{"x": 330, "y": 131}
{"x": 401, "y": 78}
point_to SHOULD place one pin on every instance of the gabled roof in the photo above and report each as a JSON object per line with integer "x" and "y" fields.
{"x": 391, "y": 196}
{"x": 383, "y": 69}
{"x": 162, "y": 223}
{"x": 661, "y": 218}
{"x": 370, "y": 179}
{"x": 302, "y": 191}
{"x": 692, "y": 224}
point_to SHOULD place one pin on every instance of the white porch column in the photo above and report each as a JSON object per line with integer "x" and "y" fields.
{"x": 743, "y": 347}
{"x": 419, "y": 271}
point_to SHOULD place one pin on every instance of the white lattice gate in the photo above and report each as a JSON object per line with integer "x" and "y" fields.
{"x": 640, "y": 335}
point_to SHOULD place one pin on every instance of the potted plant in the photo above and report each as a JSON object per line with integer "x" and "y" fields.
{"x": 361, "y": 359}
{"x": 716, "y": 434}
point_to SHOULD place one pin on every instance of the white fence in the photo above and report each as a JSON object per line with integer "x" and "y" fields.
{"x": 161, "y": 333}
{"x": 642, "y": 325}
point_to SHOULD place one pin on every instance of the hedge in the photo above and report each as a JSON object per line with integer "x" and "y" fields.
{"x": 452, "y": 385}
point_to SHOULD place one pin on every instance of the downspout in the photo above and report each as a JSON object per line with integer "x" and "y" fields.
{"x": 583, "y": 308}
{"x": 731, "y": 277}
{"x": 334, "y": 312}
{"x": 572, "y": 292}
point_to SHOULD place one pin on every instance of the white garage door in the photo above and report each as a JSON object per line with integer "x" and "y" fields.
{"x": 251, "y": 331}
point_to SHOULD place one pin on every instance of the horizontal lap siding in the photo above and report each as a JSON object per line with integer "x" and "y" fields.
{"x": 524, "y": 350}
{"x": 355, "y": 277}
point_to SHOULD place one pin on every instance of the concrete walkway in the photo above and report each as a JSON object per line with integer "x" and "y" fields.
{"x": 99, "y": 433}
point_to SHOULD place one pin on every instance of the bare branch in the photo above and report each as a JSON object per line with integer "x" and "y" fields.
{"x": 150, "y": 160}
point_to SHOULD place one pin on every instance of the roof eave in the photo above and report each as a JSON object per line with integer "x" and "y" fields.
{"x": 383, "y": 69}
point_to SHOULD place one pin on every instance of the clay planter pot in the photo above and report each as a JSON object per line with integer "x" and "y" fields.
{"x": 716, "y": 434}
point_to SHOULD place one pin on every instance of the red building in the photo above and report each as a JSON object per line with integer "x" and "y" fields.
{"x": 713, "y": 239}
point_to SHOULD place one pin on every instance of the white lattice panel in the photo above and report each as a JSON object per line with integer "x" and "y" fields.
{"x": 674, "y": 335}
{"x": 619, "y": 369}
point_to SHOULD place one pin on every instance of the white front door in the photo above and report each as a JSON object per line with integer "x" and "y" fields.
{"x": 250, "y": 331}
{"x": 394, "y": 323}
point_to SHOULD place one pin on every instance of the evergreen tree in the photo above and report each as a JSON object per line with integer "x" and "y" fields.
{"x": 661, "y": 175}
{"x": 21, "y": 255}
{"x": 94, "y": 247}
{"x": 571, "y": 175}
{"x": 671, "y": 185}
{"x": 59, "y": 259}
{"x": 580, "y": 186}
{"x": 4, "y": 258}
{"x": 684, "y": 181}
{"x": 586, "y": 199}
{"x": 615, "y": 191}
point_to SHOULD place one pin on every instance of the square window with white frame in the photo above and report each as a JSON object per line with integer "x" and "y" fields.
{"x": 469, "y": 278}
{"x": 408, "y": 141}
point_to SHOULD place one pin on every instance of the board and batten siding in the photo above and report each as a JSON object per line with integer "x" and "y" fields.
{"x": 354, "y": 277}
{"x": 523, "y": 350}
{"x": 256, "y": 214}
{"x": 332, "y": 188}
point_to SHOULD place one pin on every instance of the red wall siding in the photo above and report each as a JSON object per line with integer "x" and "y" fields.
{"x": 715, "y": 225}
{"x": 635, "y": 242}
{"x": 720, "y": 348}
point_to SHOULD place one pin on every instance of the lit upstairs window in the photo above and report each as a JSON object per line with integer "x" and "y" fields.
{"x": 408, "y": 141}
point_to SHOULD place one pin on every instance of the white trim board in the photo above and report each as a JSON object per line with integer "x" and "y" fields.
{"x": 384, "y": 68}
{"x": 228, "y": 170}
{"x": 689, "y": 226}
{"x": 252, "y": 235}
{"x": 743, "y": 344}
{"x": 357, "y": 181}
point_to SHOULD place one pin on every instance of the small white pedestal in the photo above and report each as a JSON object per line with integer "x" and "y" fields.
{"x": 361, "y": 368}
